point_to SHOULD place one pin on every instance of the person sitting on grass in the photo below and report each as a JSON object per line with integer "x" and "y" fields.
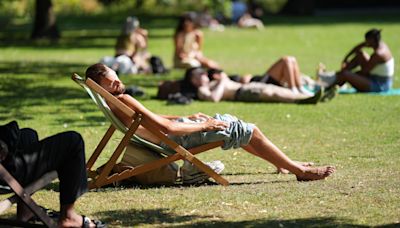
{"x": 377, "y": 70}
{"x": 199, "y": 129}
{"x": 28, "y": 159}
{"x": 198, "y": 85}
{"x": 132, "y": 42}
{"x": 188, "y": 40}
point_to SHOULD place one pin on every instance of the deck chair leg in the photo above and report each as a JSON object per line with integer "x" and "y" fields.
{"x": 117, "y": 153}
{"x": 26, "y": 198}
{"x": 30, "y": 189}
{"x": 100, "y": 147}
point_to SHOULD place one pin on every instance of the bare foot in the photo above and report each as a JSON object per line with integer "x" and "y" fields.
{"x": 285, "y": 171}
{"x": 317, "y": 173}
{"x": 78, "y": 221}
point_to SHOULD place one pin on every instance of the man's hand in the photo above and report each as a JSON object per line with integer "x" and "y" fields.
{"x": 214, "y": 125}
{"x": 199, "y": 116}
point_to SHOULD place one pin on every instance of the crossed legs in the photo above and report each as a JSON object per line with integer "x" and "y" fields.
{"x": 262, "y": 147}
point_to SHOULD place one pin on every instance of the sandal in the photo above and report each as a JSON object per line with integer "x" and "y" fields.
{"x": 86, "y": 223}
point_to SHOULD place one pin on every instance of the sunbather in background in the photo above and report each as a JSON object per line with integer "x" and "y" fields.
{"x": 377, "y": 70}
{"x": 188, "y": 41}
{"x": 197, "y": 84}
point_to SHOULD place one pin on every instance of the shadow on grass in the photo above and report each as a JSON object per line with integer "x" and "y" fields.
{"x": 336, "y": 19}
{"x": 18, "y": 93}
{"x": 162, "y": 216}
{"x": 134, "y": 217}
{"x": 306, "y": 222}
{"x": 51, "y": 69}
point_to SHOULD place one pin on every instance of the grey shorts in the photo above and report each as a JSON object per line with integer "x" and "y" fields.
{"x": 250, "y": 92}
{"x": 236, "y": 135}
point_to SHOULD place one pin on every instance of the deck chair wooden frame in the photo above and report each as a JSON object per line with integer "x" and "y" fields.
{"x": 23, "y": 195}
{"x": 99, "y": 95}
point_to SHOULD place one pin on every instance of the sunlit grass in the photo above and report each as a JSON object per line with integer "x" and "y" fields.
{"x": 360, "y": 134}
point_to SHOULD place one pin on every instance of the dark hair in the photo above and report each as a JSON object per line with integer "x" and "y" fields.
{"x": 96, "y": 72}
{"x": 212, "y": 71}
{"x": 189, "y": 16}
{"x": 374, "y": 34}
{"x": 187, "y": 87}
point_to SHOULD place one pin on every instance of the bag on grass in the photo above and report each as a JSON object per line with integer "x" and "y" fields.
{"x": 157, "y": 65}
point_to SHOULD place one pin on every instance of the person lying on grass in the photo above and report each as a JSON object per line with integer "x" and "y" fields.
{"x": 197, "y": 84}
{"x": 199, "y": 129}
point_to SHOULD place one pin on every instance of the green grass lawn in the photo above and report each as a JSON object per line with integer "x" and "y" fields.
{"x": 360, "y": 134}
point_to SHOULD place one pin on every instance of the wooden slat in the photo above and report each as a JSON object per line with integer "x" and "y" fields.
{"x": 117, "y": 153}
{"x": 185, "y": 154}
{"x": 25, "y": 197}
{"x": 100, "y": 147}
{"x": 159, "y": 163}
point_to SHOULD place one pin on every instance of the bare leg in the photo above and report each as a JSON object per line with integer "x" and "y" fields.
{"x": 282, "y": 71}
{"x": 360, "y": 59}
{"x": 262, "y": 147}
{"x": 69, "y": 218}
{"x": 359, "y": 82}
{"x": 296, "y": 72}
{"x": 285, "y": 171}
{"x": 273, "y": 93}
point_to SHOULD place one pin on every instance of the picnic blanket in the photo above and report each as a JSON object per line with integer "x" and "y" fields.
{"x": 391, "y": 92}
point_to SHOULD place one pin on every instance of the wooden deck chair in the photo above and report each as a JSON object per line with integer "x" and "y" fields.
{"x": 99, "y": 95}
{"x": 23, "y": 195}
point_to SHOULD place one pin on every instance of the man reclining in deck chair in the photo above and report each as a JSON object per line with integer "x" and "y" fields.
{"x": 27, "y": 159}
{"x": 200, "y": 129}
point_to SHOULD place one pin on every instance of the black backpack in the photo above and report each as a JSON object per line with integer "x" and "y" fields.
{"x": 157, "y": 65}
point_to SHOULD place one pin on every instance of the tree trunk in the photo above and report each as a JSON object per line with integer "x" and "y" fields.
{"x": 45, "y": 21}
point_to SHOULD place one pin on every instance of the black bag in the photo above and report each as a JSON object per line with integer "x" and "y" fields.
{"x": 157, "y": 65}
{"x": 178, "y": 98}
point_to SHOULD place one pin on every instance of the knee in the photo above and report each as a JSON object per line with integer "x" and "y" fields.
{"x": 256, "y": 132}
{"x": 286, "y": 59}
{"x": 74, "y": 138}
{"x": 362, "y": 54}
{"x": 342, "y": 75}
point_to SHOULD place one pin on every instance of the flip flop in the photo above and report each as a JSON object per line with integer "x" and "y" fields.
{"x": 86, "y": 223}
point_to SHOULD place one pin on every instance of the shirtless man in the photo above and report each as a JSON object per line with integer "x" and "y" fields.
{"x": 200, "y": 128}
{"x": 222, "y": 88}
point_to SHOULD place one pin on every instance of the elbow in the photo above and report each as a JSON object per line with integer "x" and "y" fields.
{"x": 215, "y": 99}
{"x": 170, "y": 129}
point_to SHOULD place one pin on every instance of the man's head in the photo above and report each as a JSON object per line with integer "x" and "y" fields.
{"x": 196, "y": 76}
{"x": 373, "y": 37}
{"x": 106, "y": 78}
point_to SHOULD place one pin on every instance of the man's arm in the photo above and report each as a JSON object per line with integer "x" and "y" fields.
{"x": 372, "y": 62}
{"x": 354, "y": 50}
{"x": 179, "y": 46}
{"x": 215, "y": 94}
{"x": 165, "y": 125}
